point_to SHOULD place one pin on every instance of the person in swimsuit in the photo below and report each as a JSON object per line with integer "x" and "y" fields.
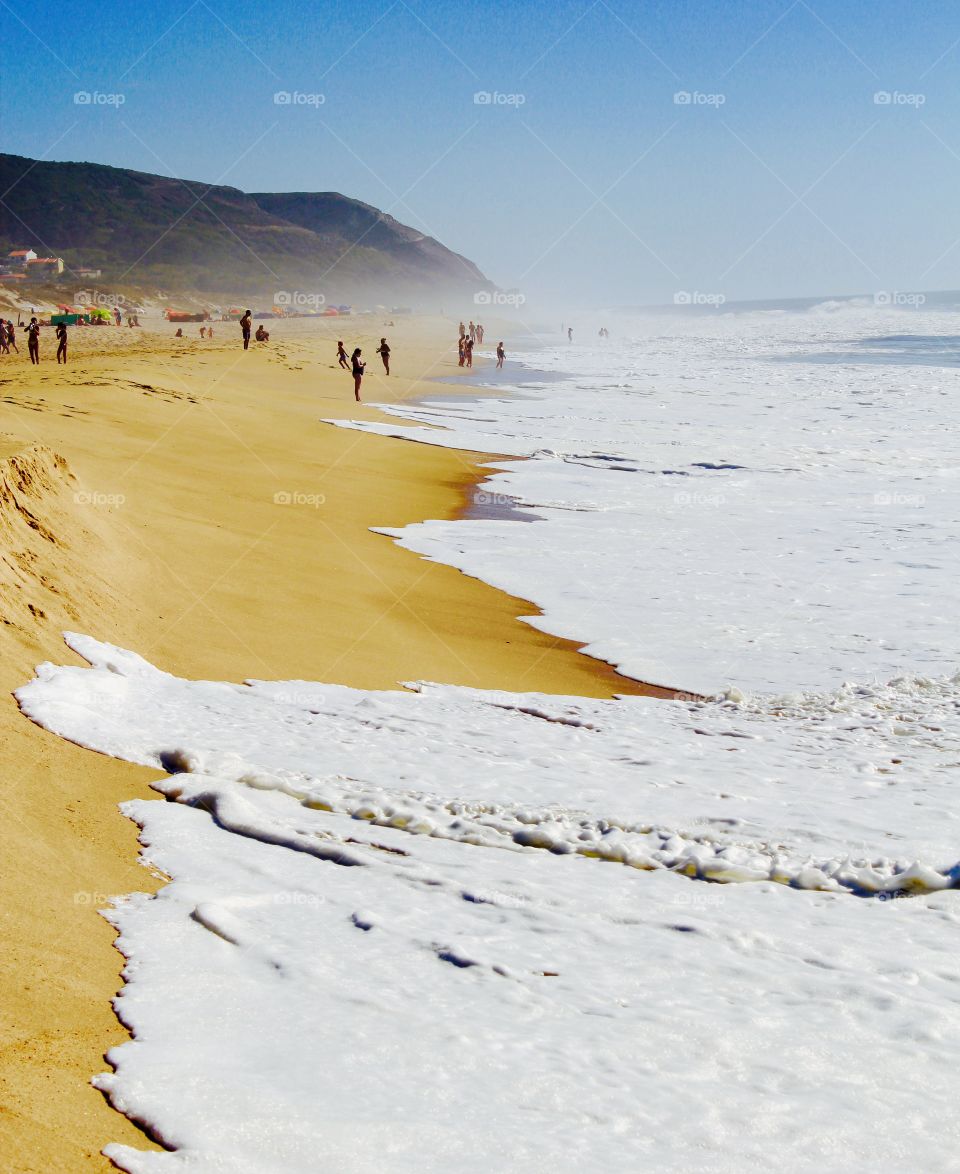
{"x": 358, "y": 366}
{"x": 33, "y": 340}
{"x": 501, "y": 354}
{"x": 4, "y": 344}
{"x": 462, "y": 330}
{"x": 262, "y": 335}
{"x": 384, "y": 352}
{"x": 462, "y": 350}
{"x": 203, "y": 332}
{"x": 245, "y": 328}
{"x": 569, "y": 334}
{"x": 12, "y": 336}
{"x": 62, "y": 341}
{"x": 479, "y": 334}
{"x": 342, "y": 356}
{"x": 209, "y": 331}
{"x": 468, "y": 351}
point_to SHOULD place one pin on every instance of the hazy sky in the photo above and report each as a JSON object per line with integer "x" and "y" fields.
{"x": 583, "y": 180}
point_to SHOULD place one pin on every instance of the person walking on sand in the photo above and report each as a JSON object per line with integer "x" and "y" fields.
{"x": 358, "y": 366}
{"x": 501, "y": 354}
{"x": 342, "y": 356}
{"x": 33, "y": 340}
{"x": 468, "y": 351}
{"x": 473, "y": 331}
{"x": 62, "y": 343}
{"x": 245, "y": 322}
{"x": 462, "y": 330}
{"x": 384, "y": 352}
{"x": 479, "y": 334}
{"x": 12, "y": 336}
{"x": 203, "y": 332}
{"x": 461, "y": 348}
{"x": 4, "y": 344}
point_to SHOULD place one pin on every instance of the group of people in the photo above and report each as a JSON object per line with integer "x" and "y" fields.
{"x": 356, "y": 365}
{"x": 8, "y": 336}
{"x": 469, "y": 336}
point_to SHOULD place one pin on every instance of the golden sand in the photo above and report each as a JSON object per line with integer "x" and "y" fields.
{"x": 138, "y": 504}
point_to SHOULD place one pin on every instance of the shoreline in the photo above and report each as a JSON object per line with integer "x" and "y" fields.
{"x": 162, "y": 533}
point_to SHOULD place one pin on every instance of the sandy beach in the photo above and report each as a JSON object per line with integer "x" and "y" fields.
{"x": 183, "y": 499}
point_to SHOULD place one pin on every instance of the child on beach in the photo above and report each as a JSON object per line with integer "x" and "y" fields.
{"x": 358, "y": 366}
{"x": 384, "y": 352}
{"x": 33, "y": 340}
{"x": 62, "y": 341}
{"x": 501, "y": 354}
{"x": 342, "y": 355}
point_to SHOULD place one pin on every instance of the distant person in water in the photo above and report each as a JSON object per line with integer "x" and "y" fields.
{"x": 501, "y": 354}
{"x": 358, "y": 367}
{"x": 569, "y": 334}
{"x": 62, "y": 342}
{"x": 468, "y": 351}
{"x": 33, "y": 340}
{"x": 342, "y": 356}
{"x": 245, "y": 322}
{"x": 384, "y": 352}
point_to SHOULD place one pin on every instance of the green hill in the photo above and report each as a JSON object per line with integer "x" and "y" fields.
{"x": 143, "y": 230}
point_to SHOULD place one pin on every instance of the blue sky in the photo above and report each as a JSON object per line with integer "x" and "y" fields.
{"x": 585, "y": 182}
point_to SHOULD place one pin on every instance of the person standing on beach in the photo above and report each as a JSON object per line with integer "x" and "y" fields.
{"x": 501, "y": 354}
{"x": 33, "y": 340}
{"x": 468, "y": 351}
{"x": 4, "y": 344}
{"x": 342, "y": 356}
{"x": 245, "y": 322}
{"x": 384, "y": 352}
{"x": 479, "y": 334}
{"x": 62, "y": 343}
{"x": 358, "y": 367}
{"x": 12, "y": 336}
{"x": 462, "y": 330}
{"x": 569, "y": 334}
{"x": 473, "y": 331}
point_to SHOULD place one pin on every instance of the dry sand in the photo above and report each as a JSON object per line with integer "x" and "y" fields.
{"x": 138, "y": 504}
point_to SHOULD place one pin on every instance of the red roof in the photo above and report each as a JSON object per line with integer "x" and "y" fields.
{"x": 20, "y": 252}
